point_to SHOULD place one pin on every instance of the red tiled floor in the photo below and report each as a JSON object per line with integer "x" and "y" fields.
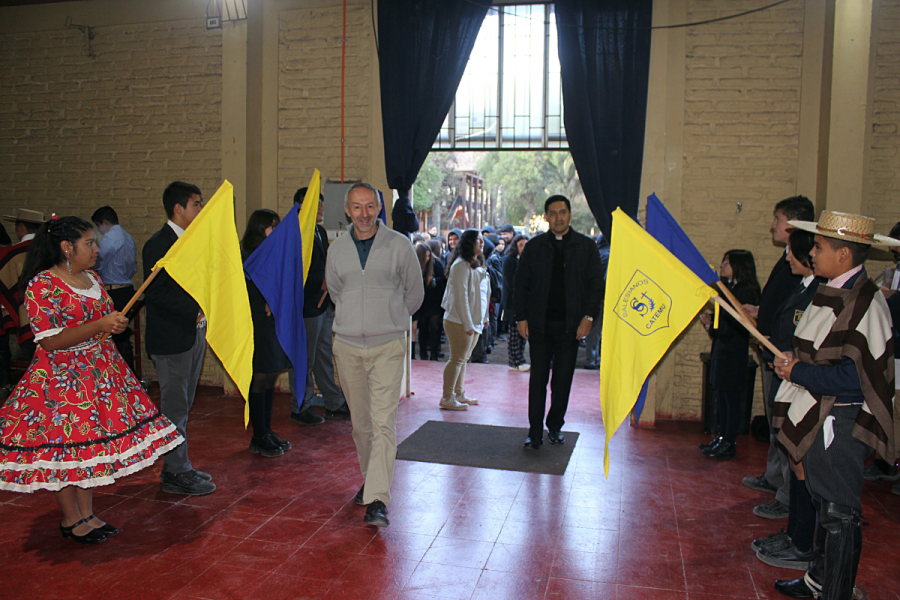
{"x": 668, "y": 524}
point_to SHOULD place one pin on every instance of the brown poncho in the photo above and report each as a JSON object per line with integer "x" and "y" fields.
{"x": 854, "y": 323}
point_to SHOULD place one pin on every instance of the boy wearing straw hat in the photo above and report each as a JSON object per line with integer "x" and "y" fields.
{"x": 840, "y": 405}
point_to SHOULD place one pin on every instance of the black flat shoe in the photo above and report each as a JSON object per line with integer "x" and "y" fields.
{"x": 265, "y": 446}
{"x": 556, "y": 437}
{"x": 95, "y": 536}
{"x": 533, "y": 443}
{"x": 712, "y": 447}
{"x": 108, "y": 529}
{"x": 710, "y": 443}
{"x": 358, "y": 498}
{"x": 793, "y": 588}
{"x": 275, "y": 438}
{"x": 723, "y": 451}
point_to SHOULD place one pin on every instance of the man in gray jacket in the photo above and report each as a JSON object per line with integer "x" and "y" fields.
{"x": 375, "y": 281}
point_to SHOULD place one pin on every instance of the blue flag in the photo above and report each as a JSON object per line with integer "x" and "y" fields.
{"x": 276, "y": 267}
{"x": 663, "y": 226}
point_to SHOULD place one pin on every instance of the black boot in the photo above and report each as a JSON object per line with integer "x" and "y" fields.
{"x": 256, "y": 405}
{"x": 270, "y": 398}
{"x": 843, "y": 546}
{"x": 261, "y": 443}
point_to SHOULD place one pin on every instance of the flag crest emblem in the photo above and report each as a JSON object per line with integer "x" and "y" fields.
{"x": 644, "y": 305}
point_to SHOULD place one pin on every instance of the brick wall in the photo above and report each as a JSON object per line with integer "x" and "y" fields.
{"x": 309, "y": 102}
{"x": 742, "y": 110}
{"x": 78, "y": 132}
{"x": 884, "y": 160}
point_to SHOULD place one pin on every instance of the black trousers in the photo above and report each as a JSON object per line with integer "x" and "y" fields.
{"x": 430, "y": 336}
{"x": 554, "y": 348}
{"x": 120, "y": 298}
{"x": 730, "y": 403}
{"x": 835, "y": 474}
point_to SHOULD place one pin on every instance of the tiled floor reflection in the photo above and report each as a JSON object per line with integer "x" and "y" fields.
{"x": 668, "y": 524}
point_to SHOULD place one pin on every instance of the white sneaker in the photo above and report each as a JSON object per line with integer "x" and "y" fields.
{"x": 466, "y": 400}
{"x": 452, "y": 404}
{"x": 523, "y": 367}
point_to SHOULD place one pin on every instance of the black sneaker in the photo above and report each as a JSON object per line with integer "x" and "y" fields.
{"x": 376, "y": 514}
{"x": 285, "y": 445}
{"x": 202, "y": 475}
{"x": 780, "y": 539}
{"x": 759, "y": 483}
{"x": 772, "y": 510}
{"x": 342, "y": 413}
{"x": 265, "y": 446}
{"x": 787, "y": 558}
{"x": 358, "y": 498}
{"x": 187, "y": 483}
{"x": 307, "y": 417}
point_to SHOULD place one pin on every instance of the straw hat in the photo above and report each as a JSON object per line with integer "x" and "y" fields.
{"x": 26, "y": 216}
{"x": 844, "y": 226}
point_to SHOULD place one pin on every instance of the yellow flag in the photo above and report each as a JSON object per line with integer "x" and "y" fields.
{"x": 206, "y": 262}
{"x": 650, "y": 298}
{"x": 308, "y": 213}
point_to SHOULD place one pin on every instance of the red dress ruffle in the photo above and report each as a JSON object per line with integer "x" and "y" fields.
{"x": 79, "y": 416}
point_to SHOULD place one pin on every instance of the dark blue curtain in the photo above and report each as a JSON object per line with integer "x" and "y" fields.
{"x": 424, "y": 46}
{"x": 604, "y": 56}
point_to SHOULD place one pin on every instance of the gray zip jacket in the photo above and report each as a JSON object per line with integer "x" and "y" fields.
{"x": 373, "y": 306}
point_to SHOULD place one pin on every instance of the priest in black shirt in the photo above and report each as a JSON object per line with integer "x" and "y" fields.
{"x": 558, "y": 294}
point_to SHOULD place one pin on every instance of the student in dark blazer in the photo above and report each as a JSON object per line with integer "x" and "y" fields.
{"x": 791, "y": 547}
{"x": 176, "y": 338}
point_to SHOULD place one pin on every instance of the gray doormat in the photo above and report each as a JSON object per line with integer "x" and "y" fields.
{"x": 485, "y": 446}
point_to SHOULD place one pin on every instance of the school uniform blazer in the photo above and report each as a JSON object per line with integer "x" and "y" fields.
{"x": 731, "y": 347}
{"x": 788, "y": 316}
{"x": 171, "y": 311}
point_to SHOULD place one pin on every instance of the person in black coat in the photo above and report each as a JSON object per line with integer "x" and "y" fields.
{"x": 557, "y": 297}
{"x": 730, "y": 352}
{"x": 515, "y": 344}
{"x": 430, "y": 313}
{"x": 175, "y": 337}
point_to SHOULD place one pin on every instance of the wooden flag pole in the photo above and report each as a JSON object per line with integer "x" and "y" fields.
{"x": 734, "y": 302}
{"x": 325, "y": 295}
{"x": 753, "y": 330}
{"x": 134, "y": 298}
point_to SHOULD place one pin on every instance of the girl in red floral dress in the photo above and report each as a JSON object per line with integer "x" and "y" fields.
{"x": 78, "y": 418}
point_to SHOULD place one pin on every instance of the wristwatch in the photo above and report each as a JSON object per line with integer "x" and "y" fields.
{"x": 589, "y": 318}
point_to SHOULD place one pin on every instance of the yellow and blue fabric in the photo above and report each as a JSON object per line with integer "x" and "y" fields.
{"x": 651, "y": 296}
{"x": 206, "y": 262}
{"x": 663, "y": 226}
{"x": 279, "y": 267}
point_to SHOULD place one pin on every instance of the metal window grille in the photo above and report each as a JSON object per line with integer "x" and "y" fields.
{"x": 510, "y": 96}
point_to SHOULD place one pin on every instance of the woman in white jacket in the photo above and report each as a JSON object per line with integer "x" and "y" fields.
{"x": 465, "y": 304}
